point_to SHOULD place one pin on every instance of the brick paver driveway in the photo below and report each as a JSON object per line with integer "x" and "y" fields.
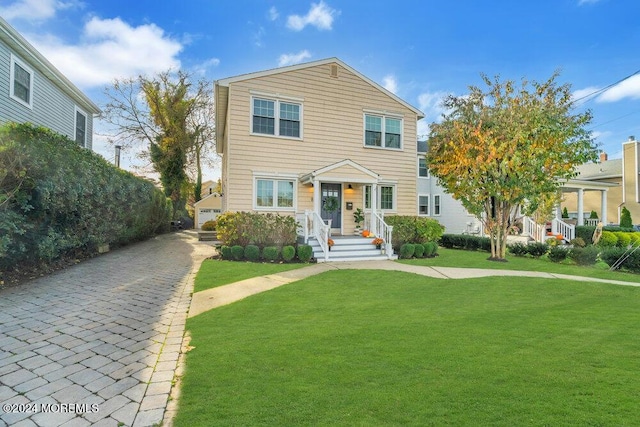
{"x": 98, "y": 343}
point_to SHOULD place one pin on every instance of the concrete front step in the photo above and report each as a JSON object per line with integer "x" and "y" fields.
{"x": 349, "y": 249}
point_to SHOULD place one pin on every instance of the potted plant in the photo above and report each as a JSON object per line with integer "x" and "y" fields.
{"x": 358, "y": 217}
{"x": 378, "y": 242}
{"x": 330, "y": 243}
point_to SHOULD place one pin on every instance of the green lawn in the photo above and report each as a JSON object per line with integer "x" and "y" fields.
{"x": 215, "y": 272}
{"x": 468, "y": 259}
{"x": 390, "y": 348}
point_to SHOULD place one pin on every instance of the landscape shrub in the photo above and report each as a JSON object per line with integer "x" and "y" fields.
{"x": 608, "y": 239}
{"x": 244, "y": 228}
{"x": 624, "y": 239}
{"x": 634, "y": 237}
{"x": 407, "y": 250}
{"x": 288, "y": 253}
{"x": 584, "y": 256}
{"x": 430, "y": 249}
{"x": 305, "y": 253}
{"x": 625, "y": 218}
{"x": 419, "y": 250}
{"x": 557, "y": 254}
{"x": 271, "y": 253}
{"x": 585, "y": 232}
{"x": 578, "y": 241}
{"x": 518, "y": 249}
{"x": 413, "y": 229}
{"x": 209, "y": 225}
{"x": 631, "y": 261}
{"x": 237, "y": 252}
{"x": 58, "y": 199}
{"x": 252, "y": 253}
{"x": 537, "y": 249}
{"x": 463, "y": 241}
{"x": 225, "y": 252}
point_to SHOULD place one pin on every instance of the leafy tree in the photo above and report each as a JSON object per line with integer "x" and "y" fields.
{"x": 506, "y": 147}
{"x": 625, "y": 218}
{"x": 593, "y": 215}
{"x": 172, "y": 117}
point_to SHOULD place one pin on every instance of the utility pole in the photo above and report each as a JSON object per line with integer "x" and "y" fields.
{"x": 118, "y": 148}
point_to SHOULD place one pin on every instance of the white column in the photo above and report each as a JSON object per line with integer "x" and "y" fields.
{"x": 374, "y": 208}
{"x": 317, "y": 196}
{"x": 580, "y": 206}
{"x": 603, "y": 206}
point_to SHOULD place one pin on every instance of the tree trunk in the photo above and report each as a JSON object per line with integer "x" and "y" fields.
{"x": 197, "y": 189}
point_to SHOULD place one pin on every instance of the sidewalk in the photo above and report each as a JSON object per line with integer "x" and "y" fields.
{"x": 222, "y": 295}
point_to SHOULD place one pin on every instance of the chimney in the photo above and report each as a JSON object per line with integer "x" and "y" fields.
{"x": 603, "y": 157}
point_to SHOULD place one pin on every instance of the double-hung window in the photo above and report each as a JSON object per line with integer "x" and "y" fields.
{"x": 274, "y": 193}
{"x": 21, "y": 84}
{"x": 423, "y": 205}
{"x": 436, "y": 205}
{"x": 423, "y": 170}
{"x": 276, "y": 117}
{"x": 81, "y": 128}
{"x": 382, "y": 131}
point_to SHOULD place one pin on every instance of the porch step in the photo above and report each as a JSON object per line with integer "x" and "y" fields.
{"x": 349, "y": 249}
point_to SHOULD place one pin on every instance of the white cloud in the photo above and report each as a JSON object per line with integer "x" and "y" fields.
{"x": 273, "y": 13}
{"x": 430, "y": 103}
{"x": 203, "y": 67}
{"x": 389, "y": 83}
{"x": 320, "y": 16}
{"x": 581, "y": 93}
{"x": 293, "y": 58}
{"x": 629, "y": 88}
{"x": 111, "y": 49}
{"x": 34, "y": 10}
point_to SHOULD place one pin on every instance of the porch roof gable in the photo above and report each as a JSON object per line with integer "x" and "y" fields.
{"x": 345, "y": 171}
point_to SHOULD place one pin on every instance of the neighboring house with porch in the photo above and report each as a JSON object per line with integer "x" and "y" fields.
{"x": 296, "y": 140}
{"x": 609, "y": 186}
{"x": 33, "y": 90}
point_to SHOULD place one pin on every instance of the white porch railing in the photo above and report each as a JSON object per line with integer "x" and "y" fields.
{"x": 317, "y": 228}
{"x": 568, "y": 231}
{"x": 592, "y": 222}
{"x": 383, "y": 230}
{"x": 532, "y": 229}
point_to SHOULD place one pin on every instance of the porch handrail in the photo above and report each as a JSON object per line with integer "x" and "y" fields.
{"x": 384, "y": 230}
{"x": 317, "y": 228}
{"x": 568, "y": 231}
{"x": 593, "y": 222}
{"x": 532, "y": 229}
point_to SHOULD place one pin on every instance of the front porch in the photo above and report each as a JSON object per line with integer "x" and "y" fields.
{"x": 350, "y": 248}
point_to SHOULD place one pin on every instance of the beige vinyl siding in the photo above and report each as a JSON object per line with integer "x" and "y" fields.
{"x": 333, "y": 130}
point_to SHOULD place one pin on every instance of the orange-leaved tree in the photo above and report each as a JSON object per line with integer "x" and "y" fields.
{"x": 508, "y": 146}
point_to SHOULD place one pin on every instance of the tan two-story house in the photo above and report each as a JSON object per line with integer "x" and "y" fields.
{"x": 293, "y": 139}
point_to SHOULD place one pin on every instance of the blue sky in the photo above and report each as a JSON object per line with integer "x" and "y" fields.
{"x": 420, "y": 50}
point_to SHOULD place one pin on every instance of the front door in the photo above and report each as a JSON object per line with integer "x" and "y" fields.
{"x": 331, "y": 204}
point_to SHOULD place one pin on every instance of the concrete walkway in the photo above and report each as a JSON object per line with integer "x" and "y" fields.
{"x": 98, "y": 343}
{"x": 222, "y": 295}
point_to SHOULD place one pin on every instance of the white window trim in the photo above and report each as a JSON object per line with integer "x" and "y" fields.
{"x": 275, "y": 179}
{"x": 418, "y": 171}
{"x": 16, "y": 60}
{"x": 276, "y": 99}
{"x": 75, "y": 124}
{"x": 383, "y": 116}
{"x": 395, "y": 196}
{"x": 428, "y": 196}
{"x": 439, "y": 196}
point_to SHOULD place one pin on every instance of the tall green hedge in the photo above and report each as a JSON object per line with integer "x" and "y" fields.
{"x": 244, "y": 228}
{"x": 59, "y": 199}
{"x": 413, "y": 229}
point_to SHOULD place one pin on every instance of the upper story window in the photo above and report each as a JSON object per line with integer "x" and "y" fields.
{"x": 382, "y": 131}
{"x": 21, "y": 85}
{"x": 276, "y": 117}
{"x": 423, "y": 170}
{"x": 81, "y": 128}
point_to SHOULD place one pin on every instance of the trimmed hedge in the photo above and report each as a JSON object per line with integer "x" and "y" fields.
{"x": 430, "y": 249}
{"x": 419, "y": 250}
{"x": 237, "y": 252}
{"x": 60, "y": 200}
{"x": 557, "y": 254}
{"x": 305, "y": 253}
{"x": 413, "y": 229}
{"x": 252, "y": 253}
{"x": 288, "y": 253}
{"x": 270, "y": 253}
{"x": 584, "y": 256}
{"x": 464, "y": 241}
{"x": 631, "y": 263}
{"x": 407, "y": 250}
{"x": 244, "y": 228}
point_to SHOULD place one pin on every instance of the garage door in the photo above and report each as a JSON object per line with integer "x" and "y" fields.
{"x": 206, "y": 214}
